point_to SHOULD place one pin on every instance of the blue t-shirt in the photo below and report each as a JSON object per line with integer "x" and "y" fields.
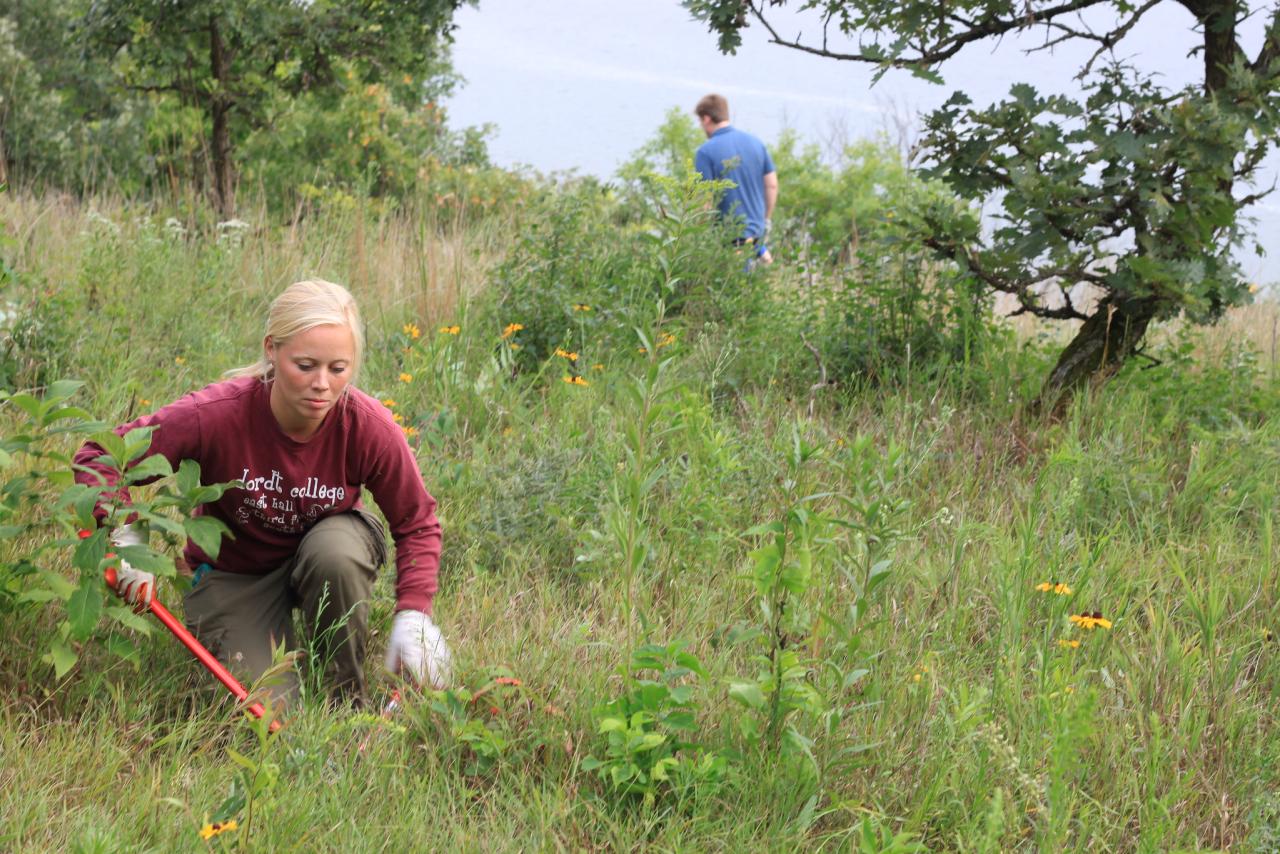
{"x": 734, "y": 155}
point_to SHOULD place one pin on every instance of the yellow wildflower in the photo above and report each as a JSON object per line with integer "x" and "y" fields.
{"x": 397, "y": 417}
{"x": 211, "y": 830}
{"x": 412, "y": 330}
{"x": 389, "y": 402}
{"x": 572, "y": 357}
{"x": 581, "y": 306}
{"x": 1091, "y": 621}
{"x": 1069, "y": 644}
{"x": 666, "y": 339}
{"x": 179, "y": 360}
{"x": 1054, "y": 587}
{"x": 145, "y": 401}
{"x": 598, "y": 366}
{"x": 512, "y": 329}
{"x": 409, "y": 432}
{"x": 915, "y": 677}
{"x": 514, "y": 346}
{"x": 406, "y": 378}
{"x": 450, "y": 330}
{"x": 572, "y": 380}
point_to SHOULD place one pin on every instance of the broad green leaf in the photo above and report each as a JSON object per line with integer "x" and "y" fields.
{"x": 143, "y": 558}
{"x": 84, "y": 608}
{"x": 61, "y": 656}
{"x": 747, "y": 693}
{"x": 59, "y": 585}
{"x": 125, "y": 617}
{"x": 91, "y": 550}
{"x": 206, "y": 532}
{"x": 152, "y": 467}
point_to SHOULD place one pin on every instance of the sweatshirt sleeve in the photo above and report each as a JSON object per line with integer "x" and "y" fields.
{"x": 176, "y": 437}
{"x": 396, "y": 484}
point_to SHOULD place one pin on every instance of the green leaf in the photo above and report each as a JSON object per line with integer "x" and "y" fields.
{"x": 112, "y": 444}
{"x": 39, "y": 594}
{"x": 188, "y": 476}
{"x": 90, "y": 551}
{"x": 125, "y": 617}
{"x": 206, "y": 532}
{"x": 152, "y": 467}
{"x": 747, "y": 693}
{"x": 143, "y": 558}
{"x": 122, "y": 647}
{"x": 61, "y": 656}
{"x": 59, "y": 585}
{"x": 84, "y": 608}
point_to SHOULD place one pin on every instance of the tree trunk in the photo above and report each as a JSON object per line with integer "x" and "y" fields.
{"x": 219, "y": 108}
{"x": 1111, "y": 335}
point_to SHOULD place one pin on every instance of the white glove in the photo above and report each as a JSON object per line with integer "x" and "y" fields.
{"x": 417, "y": 648}
{"x": 134, "y": 586}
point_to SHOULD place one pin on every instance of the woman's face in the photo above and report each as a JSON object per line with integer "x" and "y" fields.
{"x": 311, "y": 371}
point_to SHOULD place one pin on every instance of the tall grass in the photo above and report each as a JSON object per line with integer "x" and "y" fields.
{"x": 976, "y": 728}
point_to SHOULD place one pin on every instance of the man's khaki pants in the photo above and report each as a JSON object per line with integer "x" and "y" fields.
{"x": 242, "y": 619}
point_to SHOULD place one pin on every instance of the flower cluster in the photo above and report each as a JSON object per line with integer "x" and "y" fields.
{"x": 1054, "y": 587}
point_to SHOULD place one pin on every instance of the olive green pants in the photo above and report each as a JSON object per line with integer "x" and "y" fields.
{"x": 244, "y": 619}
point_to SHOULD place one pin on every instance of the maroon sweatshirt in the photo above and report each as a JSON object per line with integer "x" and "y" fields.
{"x": 228, "y": 428}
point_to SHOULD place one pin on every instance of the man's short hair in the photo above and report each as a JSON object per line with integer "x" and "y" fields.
{"x": 714, "y": 107}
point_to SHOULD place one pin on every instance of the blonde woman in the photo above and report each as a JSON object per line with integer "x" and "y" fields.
{"x": 303, "y": 440}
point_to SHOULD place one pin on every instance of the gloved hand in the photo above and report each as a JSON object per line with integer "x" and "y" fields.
{"x": 134, "y": 586}
{"x": 417, "y": 648}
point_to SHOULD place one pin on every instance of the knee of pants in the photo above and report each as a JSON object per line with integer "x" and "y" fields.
{"x": 337, "y": 557}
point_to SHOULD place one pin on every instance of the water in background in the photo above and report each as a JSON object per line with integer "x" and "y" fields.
{"x": 580, "y": 84}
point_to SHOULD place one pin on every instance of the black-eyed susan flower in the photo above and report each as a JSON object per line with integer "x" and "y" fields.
{"x": 514, "y": 346}
{"x": 581, "y": 306}
{"x": 666, "y": 340}
{"x": 566, "y": 354}
{"x": 397, "y": 417}
{"x": 1054, "y": 587}
{"x": 1069, "y": 644}
{"x": 179, "y": 360}
{"x": 409, "y": 431}
{"x": 389, "y": 402}
{"x": 450, "y": 330}
{"x": 214, "y": 828}
{"x": 572, "y": 380}
{"x": 412, "y": 330}
{"x": 512, "y": 329}
{"x": 406, "y": 378}
{"x": 1091, "y": 621}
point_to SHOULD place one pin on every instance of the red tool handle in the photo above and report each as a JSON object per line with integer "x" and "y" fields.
{"x": 197, "y": 649}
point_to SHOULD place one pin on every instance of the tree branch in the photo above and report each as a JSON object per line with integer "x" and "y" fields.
{"x": 943, "y": 50}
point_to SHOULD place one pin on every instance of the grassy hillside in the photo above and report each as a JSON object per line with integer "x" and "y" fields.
{"x": 906, "y": 683}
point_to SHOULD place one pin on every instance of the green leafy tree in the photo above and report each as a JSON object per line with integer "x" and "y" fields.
{"x": 1135, "y": 188}
{"x": 237, "y": 62}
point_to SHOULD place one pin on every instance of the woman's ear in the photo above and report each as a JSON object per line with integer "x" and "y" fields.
{"x": 269, "y": 351}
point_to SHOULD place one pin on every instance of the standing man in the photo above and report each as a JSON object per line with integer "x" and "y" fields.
{"x": 734, "y": 155}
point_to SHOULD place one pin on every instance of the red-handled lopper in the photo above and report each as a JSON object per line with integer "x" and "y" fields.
{"x": 197, "y": 649}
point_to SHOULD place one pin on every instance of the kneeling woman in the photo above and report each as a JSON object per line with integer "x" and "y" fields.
{"x": 304, "y": 441}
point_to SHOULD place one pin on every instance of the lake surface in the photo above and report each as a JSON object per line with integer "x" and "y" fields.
{"x": 580, "y": 84}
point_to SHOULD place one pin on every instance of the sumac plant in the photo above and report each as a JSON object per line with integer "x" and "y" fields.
{"x": 44, "y": 514}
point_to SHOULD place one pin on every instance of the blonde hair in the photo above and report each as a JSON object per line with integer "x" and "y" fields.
{"x": 305, "y": 305}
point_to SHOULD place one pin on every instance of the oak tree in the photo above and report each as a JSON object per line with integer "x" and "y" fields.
{"x": 1136, "y": 187}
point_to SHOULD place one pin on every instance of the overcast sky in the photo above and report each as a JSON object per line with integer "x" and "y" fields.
{"x": 580, "y": 84}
